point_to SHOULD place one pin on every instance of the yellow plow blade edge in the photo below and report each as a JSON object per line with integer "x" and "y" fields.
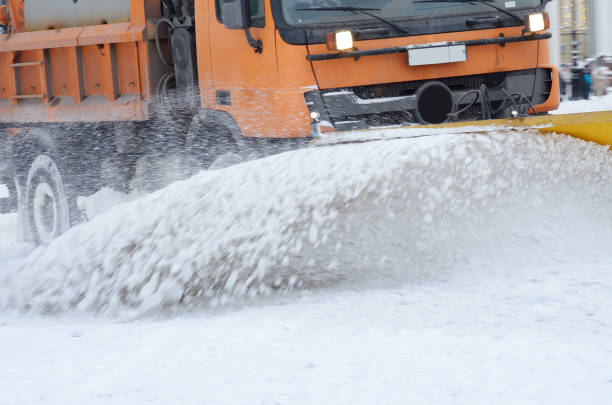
{"x": 590, "y": 126}
{"x": 594, "y": 127}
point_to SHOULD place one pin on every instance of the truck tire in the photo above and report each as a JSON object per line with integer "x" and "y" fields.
{"x": 47, "y": 208}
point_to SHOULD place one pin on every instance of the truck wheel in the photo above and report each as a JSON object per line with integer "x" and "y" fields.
{"x": 46, "y": 203}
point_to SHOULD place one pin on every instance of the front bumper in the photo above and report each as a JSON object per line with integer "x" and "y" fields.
{"x": 395, "y": 103}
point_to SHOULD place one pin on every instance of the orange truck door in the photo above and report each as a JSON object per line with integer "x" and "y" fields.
{"x": 245, "y": 82}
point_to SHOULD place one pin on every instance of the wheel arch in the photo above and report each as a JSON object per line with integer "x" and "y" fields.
{"x": 204, "y": 118}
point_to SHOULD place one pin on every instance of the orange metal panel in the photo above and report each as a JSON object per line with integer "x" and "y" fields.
{"x": 137, "y": 12}
{"x": 5, "y": 72}
{"x": 111, "y": 33}
{"x": 91, "y": 109}
{"x": 555, "y": 92}
{"x": 250, "y": 78}
{"x": 127, "y": 68}
{"x": 294, "y": 80}
{"x": 61, "y": 68}
{"x": 96, "y": 34}
{"x": 39, "y": 39}
{"x": 394, "y": 68}
{"x": 93, "y": 66}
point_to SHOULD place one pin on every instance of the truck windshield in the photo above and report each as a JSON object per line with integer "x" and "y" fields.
{"x": 297, "y": 13}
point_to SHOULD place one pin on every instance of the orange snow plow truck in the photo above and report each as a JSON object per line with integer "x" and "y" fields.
{"x": 95, "y": 93}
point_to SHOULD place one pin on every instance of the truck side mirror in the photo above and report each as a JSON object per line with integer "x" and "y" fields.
{"x": 232, "y": 15}
{"x": 237, "y": 16}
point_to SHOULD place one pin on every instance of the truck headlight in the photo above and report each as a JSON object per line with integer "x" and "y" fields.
{"x": 537, "y": 22}
{"x": 340, "y": 41}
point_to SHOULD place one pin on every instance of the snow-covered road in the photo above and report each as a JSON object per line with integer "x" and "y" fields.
{"x": 521, "y": 319}
{"x": 459, "y": 269}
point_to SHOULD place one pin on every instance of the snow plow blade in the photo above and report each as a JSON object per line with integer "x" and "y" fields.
{"x": 591, "y": 126}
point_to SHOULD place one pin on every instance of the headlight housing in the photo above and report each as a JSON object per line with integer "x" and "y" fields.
{"x": 340, "y": 41}
{"x": 537, "y": 22}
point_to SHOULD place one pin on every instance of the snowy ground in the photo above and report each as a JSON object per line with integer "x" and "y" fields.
{"x": 603, "y": 103}
{"x": 465, "y": 269}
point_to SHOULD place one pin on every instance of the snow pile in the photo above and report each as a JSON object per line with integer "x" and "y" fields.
{"x": 351, "y": 213}
{"x": 102, "y": 201}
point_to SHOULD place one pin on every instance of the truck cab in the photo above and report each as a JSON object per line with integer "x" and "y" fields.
{"x": 417, "y": 62}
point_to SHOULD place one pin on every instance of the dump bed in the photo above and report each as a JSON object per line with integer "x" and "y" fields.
{"x": 56, "y": 68}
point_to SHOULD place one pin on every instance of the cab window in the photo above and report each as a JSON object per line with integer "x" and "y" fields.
{"x": 258, "y": 15}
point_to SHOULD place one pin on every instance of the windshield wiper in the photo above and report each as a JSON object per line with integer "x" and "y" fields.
{"x": 485, "y": 2}
{"x": 362, "y": 10}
